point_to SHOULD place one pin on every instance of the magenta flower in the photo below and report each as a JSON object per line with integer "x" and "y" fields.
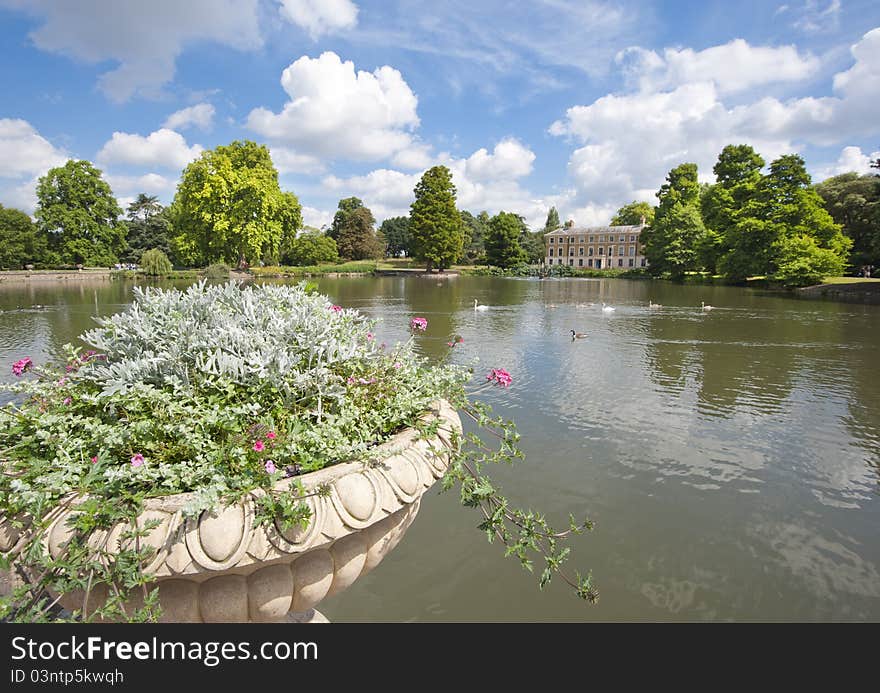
{"x": 271, "y": 435}
{"x": 500, "y": 376}
{"x": 369, "y": 335}
{"x": 418, "y": 324}
{"x": 336, "y": 309}
{"x": 259, "y": 446}
{"x": 137, "y": 460}
{"x": 270, "y": 467}
{"x": 95, "y": 459}
{"x": 22, "y": 366}
{"x": 67, "y": 400}
{"x": 351, "y": 380}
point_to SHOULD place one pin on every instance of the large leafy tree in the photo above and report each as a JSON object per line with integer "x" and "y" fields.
{"x": 397, "y": 236}
{"x": 148, "y": 228}
{"x": 673, "y": 240}
{"x": 347, "y": 206}
{"x": 21, "y": 242}
{"x": 435, "y": 223}
{"x": 552, "y": 222}
{"x": 632, "y": 214}
{"x": 503, "y": 248}
{"x": 77, "y": 211}
{"x": 854, "y": 202}
{"x": 230, "y": 208}
{"x": 356, "y": 237}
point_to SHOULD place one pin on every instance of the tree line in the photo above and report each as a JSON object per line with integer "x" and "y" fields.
{"x": 229, "y": 208}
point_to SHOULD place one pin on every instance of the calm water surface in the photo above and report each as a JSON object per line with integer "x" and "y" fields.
{"x": 730, "y": 459}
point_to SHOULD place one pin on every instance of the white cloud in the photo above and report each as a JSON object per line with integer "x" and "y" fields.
{"x": 732, "y": 67}
{"x": 851, "y": 159}
{"x": 24, "y": 151}
{"x": 163, "y": 149}
{"x": 337, "y": 113}
{"x": 320, "y": 17}
{"x": 149, "y": 183}
{"x": 143, "y": 38}
{"x": 288, "y": 161}
{"x": 510, "y": 159}
{"x": 201, "y": 116}
{"x": 628, "y": 142}
{"x": 815, "y": 17}
{"x": 316, "y": 217}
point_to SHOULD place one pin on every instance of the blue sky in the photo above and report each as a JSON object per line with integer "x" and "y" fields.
{"x": 581, "y": 105}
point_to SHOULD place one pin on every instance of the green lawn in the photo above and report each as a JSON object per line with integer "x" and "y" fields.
{"x": 849, "y": 280}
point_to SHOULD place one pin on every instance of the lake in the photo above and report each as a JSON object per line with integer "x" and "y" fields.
{"x": 729, "y": 458}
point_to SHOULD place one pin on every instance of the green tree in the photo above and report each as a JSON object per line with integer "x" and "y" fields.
{"x": 21, "y": 243}
{"x": 552, "y": 222}
{"x": 672, "y": 242}
{"x": 801, "y": 262}
{"x": 631, "y": 214}
{"x": 435, "y": 223}
{"x": 77, "y": 211}
{"x": 311, "y": 248}
{"x": 354, "y": 232}
{"x": 474, "y": 230}
{"x": 148, "y": 226}
{"x": 155, "y": 263}
{"x": 229, "y": 208}
{"x": 502, "y": 241}
{"x": 854, "y": 202}
{"x": 397, "y": 236}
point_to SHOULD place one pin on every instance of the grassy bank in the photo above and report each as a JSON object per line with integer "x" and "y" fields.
{"x": 363, "y": 267}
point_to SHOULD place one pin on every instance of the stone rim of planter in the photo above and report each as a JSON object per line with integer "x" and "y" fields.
{"x": 220, "y": 566}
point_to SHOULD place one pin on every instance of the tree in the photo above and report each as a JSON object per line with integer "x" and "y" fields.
{"x": 474, "y": 230}
{"x": 435, "y": 223}
{"x": 801, "y": 262}
{"x": 229, "y": 207}
{"x": 77, "y": 211}
{"x": 854, "y": 202}
{"x": 148, "y": 227}
{"x": 632, "y": 214}
{"x": 672, "y": 241}
{"x": 502, "y": 240}
{"x": 552, "y": 222}
{"x": 311, "y": 248}
{"x": 354, "y": 234}
{"x": 21, "y": 242}
{"x": 397, "y": 236}
{"x": 155, "y": 263}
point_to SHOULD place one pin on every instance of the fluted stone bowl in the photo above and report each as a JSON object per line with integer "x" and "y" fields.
{"x": 222, "y": 567}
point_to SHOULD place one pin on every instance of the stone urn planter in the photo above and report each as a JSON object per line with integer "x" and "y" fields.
{"x": 222, "y": 567}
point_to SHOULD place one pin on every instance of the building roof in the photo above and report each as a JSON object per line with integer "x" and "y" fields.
{"x": 596, "y": 229}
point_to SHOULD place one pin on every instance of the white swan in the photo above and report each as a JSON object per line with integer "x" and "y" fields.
{"x": 477, "y": 306}
{"x": 705, "y": 307}
{"x": 607, "y": 309}
{"x": 651, "y": 304}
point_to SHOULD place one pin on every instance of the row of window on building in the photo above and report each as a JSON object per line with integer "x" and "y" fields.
{"x": 580, "y": 239}
{"x": 598, "y": 262}
{"x": 620, "y": 251}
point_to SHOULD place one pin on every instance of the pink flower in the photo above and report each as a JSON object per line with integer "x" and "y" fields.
{"x": 22, "y": 366}
{"x": 336, "y": 309}
{"x": 63, "y": 381}
{"x": 418, "y": 324}
{"x": 259, "y": 446}
{"x": 369, "y": 335}
{"x": 95, "y": 459}
{"x": 271, "y": 435}
{"x": 137, "y": 460}
{"x": 67, "y": 401}
{"x": 270, "y": 467}
{"x": 398, "y": 364}
{"x": 351, "y": 380}
{"x": 500, "y": 376}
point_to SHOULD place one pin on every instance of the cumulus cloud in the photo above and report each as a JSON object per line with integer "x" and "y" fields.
{"x": 320, "y": 17}
{"x": 510, "y": 159}
{"x": 335, "y": 112}
{"x": 628, "y": 142}
{"x": 851, "y": 159}
{"x": 148, "y": 183}
{"x": 731, "y": 67}
{"x": 144, "y": 39}
{"x": 201, "y": 116}
{"x": 26, "y": 155}
{"x": 288, "y": 161}
{"x": 163, "y": 149}
{"x": 316, "y": 217}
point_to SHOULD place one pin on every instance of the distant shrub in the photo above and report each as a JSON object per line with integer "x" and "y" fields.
{"x": 217, "y": 271}
{"x": 155, "y": 263}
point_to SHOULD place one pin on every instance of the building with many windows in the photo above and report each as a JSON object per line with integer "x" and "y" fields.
{"x": 596, "y": 247}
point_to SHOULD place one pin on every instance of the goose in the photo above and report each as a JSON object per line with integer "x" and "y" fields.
{"x": 651, "y": 304}
{"x": 705, "y": 307}
{"x": 577, "y": 335}
{"x": 551, "y": 305}
{"x": 477, "y": 306}
{"x": 607, "y": 309}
